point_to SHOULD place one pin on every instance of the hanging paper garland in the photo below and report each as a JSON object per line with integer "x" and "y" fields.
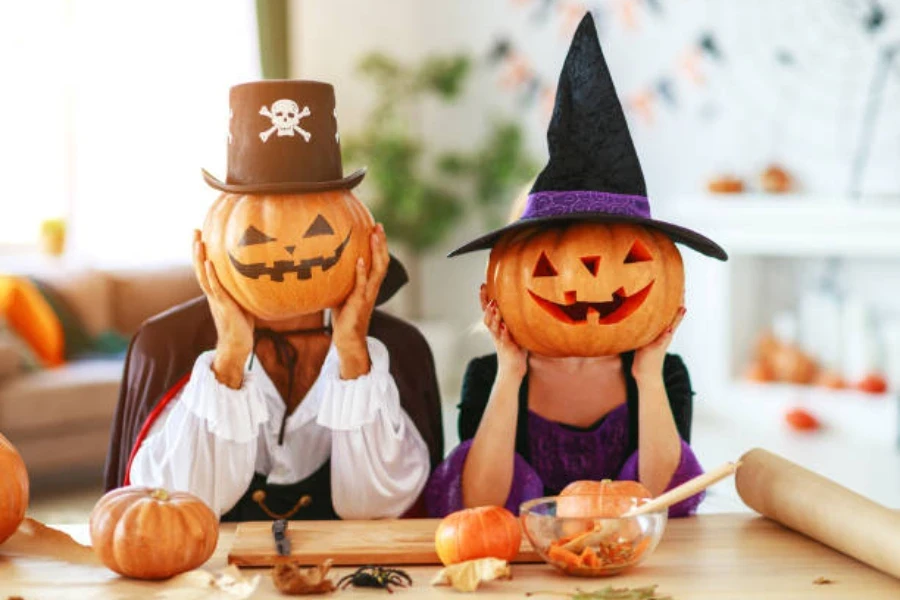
{"x": 690, "y": 67}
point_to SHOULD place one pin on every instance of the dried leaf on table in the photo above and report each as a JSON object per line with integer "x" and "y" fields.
{"x": 199, "y": 585}
{"x": 609, "y": 593}
{"x": 35, "y": 539}
{"x": 822, "y": 581}
{"x": 467, "y": 576}
{"x": 294, "y": 580}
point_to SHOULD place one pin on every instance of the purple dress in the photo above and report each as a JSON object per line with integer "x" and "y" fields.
{"x": 550, "y": 455}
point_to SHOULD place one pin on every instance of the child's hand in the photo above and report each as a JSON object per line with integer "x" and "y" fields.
{"x": 512, "y": 359}
{"x": 234, "y": 325}
{"x": 648, "y": 361}
{"x": 351, "y": 319}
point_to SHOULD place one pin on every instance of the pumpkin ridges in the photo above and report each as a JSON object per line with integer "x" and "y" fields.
{"x": 536, "y": 326}
{"x": 14, "y": 489}
{"x": 605, "y": 498}
{"x": 198, "y": 513}
{"x": 477, "y": 533}
{"x": 284, "y": 217}
{"x": 140, "y": 536}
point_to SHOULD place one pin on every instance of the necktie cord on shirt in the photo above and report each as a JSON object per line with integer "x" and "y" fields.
{"x": 286, "y": 355}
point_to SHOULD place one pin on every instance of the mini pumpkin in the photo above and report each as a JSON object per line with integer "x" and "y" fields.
{"x": 285, "y": 255}
{"x": 586, "y": 289}
{"x": 606, "y": 498}
{"x": 483, "y": 532}
{"x": 151, "y": 533}
{"x": 13, "y": 489}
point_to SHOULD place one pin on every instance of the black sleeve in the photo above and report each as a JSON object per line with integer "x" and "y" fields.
{"x": 681, "y": 396}
{"x": 476, "y": 390}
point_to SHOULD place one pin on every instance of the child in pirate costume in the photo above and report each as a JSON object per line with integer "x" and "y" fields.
{"x": 282, "y": 393}
{"x": 583, "y": 295}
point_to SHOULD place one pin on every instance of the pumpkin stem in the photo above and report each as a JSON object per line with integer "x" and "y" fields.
{"x": 159, "y": 494}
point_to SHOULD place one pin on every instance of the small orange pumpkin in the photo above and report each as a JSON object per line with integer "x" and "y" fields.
{"x": 285, "y": 255}
{"x": 606, "y": 498}
{"x": 151, "y": 533}
{"x": 483, "y": 532}
{"x": 586, "y": 289}
{"x": 13, "y": 489}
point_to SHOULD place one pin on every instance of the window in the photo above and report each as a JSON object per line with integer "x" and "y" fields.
{"x": 109, "y": 112}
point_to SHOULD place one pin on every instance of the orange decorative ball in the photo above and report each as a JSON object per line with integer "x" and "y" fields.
{"x": 285, "y": 255}
{"x": 799, "y": 419}
{"x": 483, "y": 532}
{"x": 13, "y": 489}
{"x": 586, "y": 289}
{"x": 151, "y": 533}
{"x": 606, "y": 498}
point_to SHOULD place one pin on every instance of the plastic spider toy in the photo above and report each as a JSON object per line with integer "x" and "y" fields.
{"x": 376, "y": 577}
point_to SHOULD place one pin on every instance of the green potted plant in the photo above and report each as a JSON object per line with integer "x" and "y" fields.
{"x": 418, "y": 193}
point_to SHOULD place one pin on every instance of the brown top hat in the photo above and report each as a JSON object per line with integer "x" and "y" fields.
{"x": 283, "y": 138}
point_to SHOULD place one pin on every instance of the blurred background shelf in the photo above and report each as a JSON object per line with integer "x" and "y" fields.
{"x": 869, "y": 418}
{"x": 795, "y": 225}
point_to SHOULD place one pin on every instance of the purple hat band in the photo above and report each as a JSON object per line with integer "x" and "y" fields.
{"x": 558, "y": 203}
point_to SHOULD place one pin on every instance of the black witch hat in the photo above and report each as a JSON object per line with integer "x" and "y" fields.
{"x": 593, "y": 173}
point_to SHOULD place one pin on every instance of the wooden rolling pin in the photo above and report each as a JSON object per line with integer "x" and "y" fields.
{"x": 821, "y": 509}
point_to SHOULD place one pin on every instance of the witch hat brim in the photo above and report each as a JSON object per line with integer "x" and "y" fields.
{"x": 676, "y": 233}
{"x": 288, "y": 187}
{"x": 593, "y": 173}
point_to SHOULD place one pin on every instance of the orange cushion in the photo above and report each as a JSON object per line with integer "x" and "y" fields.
{"x": 32, "y": 318}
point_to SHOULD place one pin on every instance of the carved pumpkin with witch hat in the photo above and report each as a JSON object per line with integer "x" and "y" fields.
{"x": 586, "y": 270}
{"x": 285, "y": 234}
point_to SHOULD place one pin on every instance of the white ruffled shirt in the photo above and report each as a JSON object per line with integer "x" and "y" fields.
{"x": 211, "y": 439}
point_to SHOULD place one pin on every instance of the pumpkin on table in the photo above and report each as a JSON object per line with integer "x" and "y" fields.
{"x": 483, "y": 532}
{"x": 593, "y": 499}
{"x": 586, "y": 289}
{"x": 13, "y": 489}
{"x": 151, "y": 533}
{"x": 285, "y": 255}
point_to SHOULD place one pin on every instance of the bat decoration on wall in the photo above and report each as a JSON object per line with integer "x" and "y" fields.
{"x": 785, "y": 57}
{"x": 874, "y": 18}
{"x": 708, "y": 44}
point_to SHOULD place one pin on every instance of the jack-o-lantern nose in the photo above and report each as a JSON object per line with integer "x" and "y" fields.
{"x": 591, "y": 263}
{"x": 290, "y": 249}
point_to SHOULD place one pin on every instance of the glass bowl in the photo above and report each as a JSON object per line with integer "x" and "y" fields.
{"x": 585, "y": 536}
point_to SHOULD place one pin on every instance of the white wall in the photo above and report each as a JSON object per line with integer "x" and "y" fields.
{"x": 749, "y": 111}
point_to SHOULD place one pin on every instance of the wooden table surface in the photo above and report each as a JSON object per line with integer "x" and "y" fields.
{"x": 704, "y": 557}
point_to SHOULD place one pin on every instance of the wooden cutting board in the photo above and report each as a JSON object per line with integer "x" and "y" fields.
{"x": 382, "y": 542}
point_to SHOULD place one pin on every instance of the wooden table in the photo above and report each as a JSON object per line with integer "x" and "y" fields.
{"x": 709, "y": 556}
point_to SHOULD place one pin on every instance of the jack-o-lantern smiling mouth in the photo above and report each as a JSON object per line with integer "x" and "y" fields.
{"x": 303, "y": 268}
{"x": 575, "y": 312}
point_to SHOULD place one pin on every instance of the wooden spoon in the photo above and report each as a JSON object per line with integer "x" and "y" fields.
{"x": 610, "y": 527}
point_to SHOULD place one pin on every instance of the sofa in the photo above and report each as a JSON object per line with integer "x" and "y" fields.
{"x": 59, "y": 418}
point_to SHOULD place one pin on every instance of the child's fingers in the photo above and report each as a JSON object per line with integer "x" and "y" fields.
{"x": 380, "y": 261}
{"x": 199, "y": 260}
{"x": 494, "y": 322}
{"x": 679, "y": 316}
{"x": 362, "y": 277}
{"x": 482, "y": 296}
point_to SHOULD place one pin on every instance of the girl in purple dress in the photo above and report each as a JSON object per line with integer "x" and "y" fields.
{"x": 530, "y": 424}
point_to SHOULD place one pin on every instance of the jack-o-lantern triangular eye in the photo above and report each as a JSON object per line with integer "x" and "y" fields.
{"x": 254, "y": 236}
{"x": 591, "y": 263}
{"x": 544, "y": 268}
{"x": 319, "y": 227}
{"x": 638, "y": 253}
